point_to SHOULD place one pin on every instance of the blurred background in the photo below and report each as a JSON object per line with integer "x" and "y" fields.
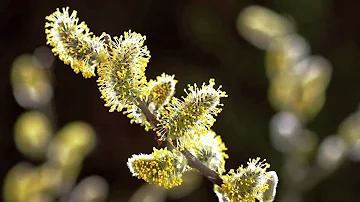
{"x": 290, "y": 69}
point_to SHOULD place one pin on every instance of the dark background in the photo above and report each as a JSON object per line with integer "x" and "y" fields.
{"x": 195, "y": 40}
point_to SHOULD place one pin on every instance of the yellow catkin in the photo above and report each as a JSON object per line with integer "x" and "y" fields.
{"x": 246, "y": 184}
{"x": 163, "y": 167}
{"x": 122, "y": 76}
{"x": 155, "y": 95}
{"x": 195, "y": 112}
{"x": 209, "y": 149}
{"x": 73, "y": 42}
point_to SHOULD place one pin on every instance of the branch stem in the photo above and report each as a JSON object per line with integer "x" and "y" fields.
{"x": 192, "y": 160}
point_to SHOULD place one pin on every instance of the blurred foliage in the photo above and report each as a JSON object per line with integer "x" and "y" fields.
{"x": 32, "y": 134}
{"x": 31, "y": 86}
{"x": 72, "y": 144}
{"x": 298, "y": 83}
{"x": 260, "y": 26}
{"x": 62, "y": 154}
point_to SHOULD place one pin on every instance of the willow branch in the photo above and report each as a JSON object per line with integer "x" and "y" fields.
{"x": 203, "y": 169}
{"x": 192, "y": 160}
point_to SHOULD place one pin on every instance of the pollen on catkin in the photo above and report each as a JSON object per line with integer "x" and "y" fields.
{"x": 160, "y": 91}
{"x": 73, "y": 42}
{"x": 246, "y": 184}
{"x": 195, "y": 112}
{"x": 163, "y": 167}
{"x": 209, "y": 149}
{"x": 122, "y": 77}
{"x": 155, "y": 95}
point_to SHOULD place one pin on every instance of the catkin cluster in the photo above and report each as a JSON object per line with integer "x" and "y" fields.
{"x": 119, "y": 64}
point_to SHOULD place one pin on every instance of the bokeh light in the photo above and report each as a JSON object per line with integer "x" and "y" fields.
{"x": 307, "y": 143}
{"x": 260, "y": 26}
{"x": 349, "y": 130}
{"x": 19, "y": 183}
{"x": 315, "y": 72}
{"x": 301, "y": 89}
{"x": 149, "y": 193}
{"x": 331, "y": 152}
{"x": 48, "y": 182}
{"x": 191, "y": 181}
{"x": 32, "y": 133}
{"x": 30, "y": 83}
{"x": 285, "y": 131}
{"x": 71, "y": 144}
{"x": 284, "y": 52}
{"x": 25, "y": 182}
{"x": 90, "y": 189}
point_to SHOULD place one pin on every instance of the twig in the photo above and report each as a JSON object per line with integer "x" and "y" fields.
{"x": 192, "y": 160}
{"x": 203, "y": 169}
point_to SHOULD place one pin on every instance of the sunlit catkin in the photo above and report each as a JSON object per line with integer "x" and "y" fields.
{"x": 155, "y": 96}
{"x": 194, "y": 113}
{"x": 73, "y": 42}
{"x": 246, "y": 184}
{"x": 122, "y": 76}
{"x": 163, "y": 167}
{"x": 209, "y": 149}
{"x": 160, "y": 91}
